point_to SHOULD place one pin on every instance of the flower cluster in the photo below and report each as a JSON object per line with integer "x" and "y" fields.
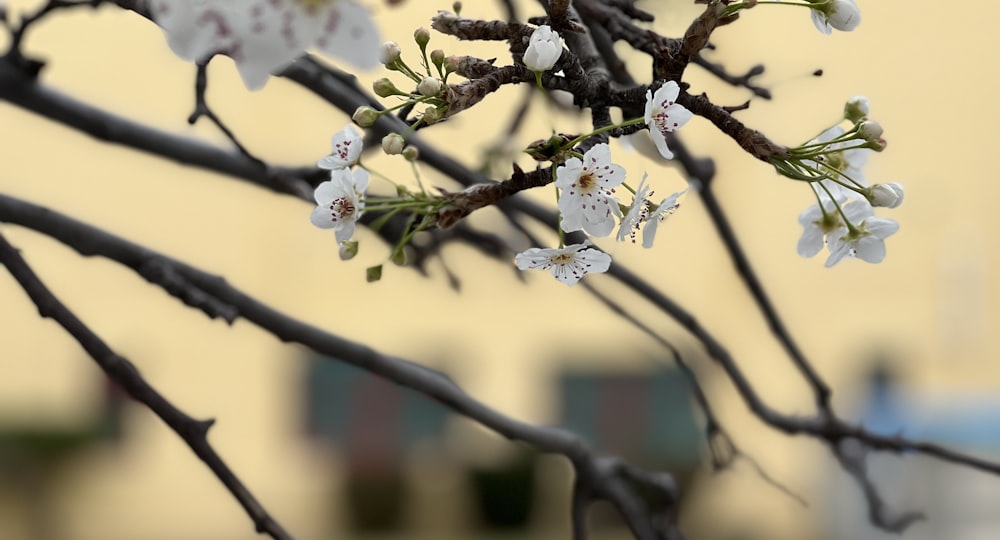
{"x": 341, "y": 199}
{"x": 430, "y": 84}
{"x": 843, "y": 217}
{"x": 587, "y": 184}
{"x": 263, "y": 36}
{"x": 587, "y": 202}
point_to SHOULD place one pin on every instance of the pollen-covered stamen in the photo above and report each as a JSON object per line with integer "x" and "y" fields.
{"x": 663, "y": 122}
{"x": 342, "y": 148}
{"x": 341, "y": 208}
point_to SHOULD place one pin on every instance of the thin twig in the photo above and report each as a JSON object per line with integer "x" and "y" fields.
{"x": 124, "y": 373}
{"x": 186, "y": 282}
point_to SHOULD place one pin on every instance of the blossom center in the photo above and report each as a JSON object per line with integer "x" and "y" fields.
{"x": 341, "y": 208}
{"x": 586, "y": 182}
{"x": 662, "y": 118}
{"x": 562, "y": 258}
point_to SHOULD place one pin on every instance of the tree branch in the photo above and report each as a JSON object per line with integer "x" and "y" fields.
{"x": 124, "y": 373}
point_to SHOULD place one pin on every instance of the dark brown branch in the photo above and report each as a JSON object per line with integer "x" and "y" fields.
{"x": 745, "y": 80}
{"x": 124, "y": 374}
{"x": 743, "y": 267}
{"x": 753, "y": 141}
{"x": 201, "y": 109}
{"x": 89, "y": 241}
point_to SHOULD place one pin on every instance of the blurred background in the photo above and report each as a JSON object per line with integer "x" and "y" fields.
{"x": 907, "y": 345}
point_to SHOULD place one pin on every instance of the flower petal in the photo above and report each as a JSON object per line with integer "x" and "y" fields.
{"x": 349, "y": 32}
{"x": 870, "y": 249}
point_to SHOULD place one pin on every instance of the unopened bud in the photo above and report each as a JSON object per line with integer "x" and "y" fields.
{"x": 392, "y": 144}
{"x": 885, "y": 195}
{"x": 365, "y": 116}
{"x": 400, "y": 256}
{"x": 457, "y": 8}
{"x": 411, "y": 153}
{"x": 384, "y": 88}
{"x": 389, "y": 53}
{"x": 856, "y": 109}
{"x": 421, "y": 36}
{"x": 430, "y": 86}
{"x": 437, "y": 57}
{"x": 432, "y": 115}
{"x": 348, "y": 249}
{"x": 871, "y": 132}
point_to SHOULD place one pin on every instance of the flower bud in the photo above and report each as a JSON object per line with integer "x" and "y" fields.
{"x": 871, "y": 132}
{"x": 452, "y": 62}
{"x": 885, "y": 195}
{"x": 843, "y": 15}
{"x": 544, "y": 49}
{"x": 401, "y": 256}
{"x": 389, "y": 53}
{"x": 365, "y": 116}
{"x": 421, "y": 36}
{"x": 392, "y": 144}
{"x": 430, "y": 86}
{"x": 348, "y": 250}
{"x": 432, "y": 115}
{"x": 410, "y": 153}
{"x": 457, "y": 8}
{"x": 437, "y": 57}
{"x": 856, "y": 109}
{"x": 384, "y": 88}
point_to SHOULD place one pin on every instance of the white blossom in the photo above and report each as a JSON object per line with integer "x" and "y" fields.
{"x": 841, "y": 164}
{"x": 587, "y": 187}
{"x": 263, "y": 36}
{"x": 664, "y": 115}
{"x": 636, "y": 214}
{"x": 340, "y": 202}
{"x": 347, "y": 145}
{"x": 816, "y": 224}
{"x": 842, "y": 15}
{"x": 544, "y": 49}
{"x": 665, "y": 209}
{"x": 865, "y": 241}
{"x": 567, "y": 264}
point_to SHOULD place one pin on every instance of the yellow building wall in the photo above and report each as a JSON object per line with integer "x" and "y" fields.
{"x": 927, "y": 67}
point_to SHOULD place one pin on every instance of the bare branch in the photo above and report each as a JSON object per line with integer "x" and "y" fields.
{"x": 124, "y": 373}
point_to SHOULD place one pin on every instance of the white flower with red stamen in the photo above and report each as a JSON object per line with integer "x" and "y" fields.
{"x": 662, "y": 212}
{"x": 637, "y": 213}
{"x": 263, "y": 36}
{"x": 347, "y": 146}
{"x": 587, "y": 187}
{"x": 664, "y": 115}
{"x": 340, "y": 202}
{"x": 568, "y": 264}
